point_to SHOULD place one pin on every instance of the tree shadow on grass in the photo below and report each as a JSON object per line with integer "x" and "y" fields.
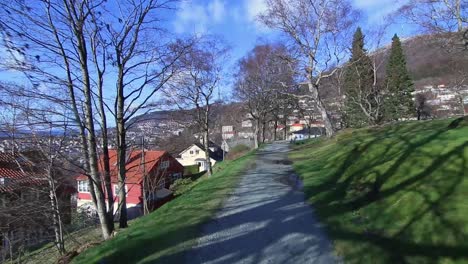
{"x": 395, "y": 196}
{"x": 263, "y": 220}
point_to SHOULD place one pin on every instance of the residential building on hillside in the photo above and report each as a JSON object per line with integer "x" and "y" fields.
{"x": 227, "y": 132}
{"x": 25, "y": 208}
{"x": 444, "y": 100}
{"x": 306, "y": 133}
{"x": 195, "y": 155}
{"x": 149, "y": 174}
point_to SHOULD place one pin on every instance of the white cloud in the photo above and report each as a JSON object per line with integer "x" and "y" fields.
{"x": 197, "y": 17}
{"x": 376, "y": 10}
{"x": 217, "y": 10}
{"x": 253, "y": 9}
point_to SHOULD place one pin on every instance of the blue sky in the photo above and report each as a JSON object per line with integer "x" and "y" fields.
{"x": 235, "y": 20}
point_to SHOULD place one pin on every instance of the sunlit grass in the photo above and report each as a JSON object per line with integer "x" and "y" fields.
{"x": 165, "y": 234}
{"x": 162, "y": 236}
{"x": 394, "y": 194}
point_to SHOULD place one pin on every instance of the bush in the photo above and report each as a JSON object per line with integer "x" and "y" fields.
{"x": 192, "y": 169}
{"x": 237, "y": 151}
{"x": 181, "y": 185}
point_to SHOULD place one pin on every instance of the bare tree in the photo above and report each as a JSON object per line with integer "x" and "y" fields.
{"x": 42, "y": 161}
{"x": 261, "y": 80}
{"x": 52, "y": 48}
{"x": 145, "y": 60}
{"x": 193, "y": 88}
{"x": 75, "y": 49}
{"x": 448, "y": 19}
{"x": 317, "y": 32}
{"x": 438, "y": 16}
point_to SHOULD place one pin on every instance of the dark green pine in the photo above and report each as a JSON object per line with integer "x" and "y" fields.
{"x": 399, "y": 84}
{"x": 359, "y": 77}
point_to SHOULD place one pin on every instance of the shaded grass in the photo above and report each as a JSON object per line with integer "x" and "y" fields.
{"x": 394, "y": 194}
{"x": 165, "y": 234}
{"x": 48, "y": 253}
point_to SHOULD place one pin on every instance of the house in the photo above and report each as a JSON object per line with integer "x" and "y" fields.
{"x": 195, "y": 155}
{"x": 296, "y": 127}
{"x": 306, "y": 133}
{"x": 149, "y": 174}
{"x": 227, "y": 132}
{"x": 25, "y": 211}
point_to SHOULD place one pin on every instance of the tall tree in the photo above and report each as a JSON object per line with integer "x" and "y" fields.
{"x": 362, "y": 105}
{"x": 145, "y": 60}
{"x": 76, "y": 48}
{"x": 317, "y": 31}
{"x": 193, "y": 88}
{"x": 261, "y": 80}
{"x": 398, "y": 83}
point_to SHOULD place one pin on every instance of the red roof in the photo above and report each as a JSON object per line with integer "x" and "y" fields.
{"x": 297, "y": 125}
{"x": 16, "y": 171}
{"x": 136, "y": 165}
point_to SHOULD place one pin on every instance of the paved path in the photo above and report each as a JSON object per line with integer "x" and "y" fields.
{"x": 265, "y": 221}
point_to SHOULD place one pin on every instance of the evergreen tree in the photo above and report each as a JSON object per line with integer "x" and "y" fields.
{"x": 399, "y": 100}
{"x": 360, "y": 103}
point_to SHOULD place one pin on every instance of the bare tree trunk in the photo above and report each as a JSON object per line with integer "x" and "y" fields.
{"x": 285, "y": 132}
{"x": 275, "y": 127}
{"x": 326, "y": 118}
{"x": 263, "y": 131}
{"x": 206, "y": 139}
{"x": 462, "y": 104}
{"x": 122, "y": 155}
{"x": 57, "y": 221}
{"x": 459, "y": 15}
{"x": 256, "y": 133}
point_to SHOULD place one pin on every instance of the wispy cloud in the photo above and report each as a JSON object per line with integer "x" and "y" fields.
{"x": 253, "y": 9}
{"x": 192, "y": 17}
{"x": 377, "y": 10}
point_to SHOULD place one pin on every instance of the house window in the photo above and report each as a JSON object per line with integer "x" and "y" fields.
{"x": 176, "y": 176}
{"x": 197, "y": 151}
{"x": 165, "y": 164}
{"x": 83, "y": 186}
{"x": 162, "y": 183}
{"x": 117, "y": 190}
{"x": 191, "y": 152}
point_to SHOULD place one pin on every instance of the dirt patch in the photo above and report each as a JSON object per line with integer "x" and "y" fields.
{"x": 291, "y": 180}
{"x": 283, "y": 162}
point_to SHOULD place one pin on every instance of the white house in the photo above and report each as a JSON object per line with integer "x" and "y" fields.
{"x": 195, "y": 155}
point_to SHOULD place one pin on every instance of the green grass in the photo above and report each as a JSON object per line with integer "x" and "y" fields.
{"x": 48, "y": 253}
{"x": 165, "y": 234}
{"x": 395, "y": 194}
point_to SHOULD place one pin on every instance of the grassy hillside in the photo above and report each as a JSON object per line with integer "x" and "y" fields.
{"x": 163, "y": 235}
{"x": 396, "y": 194}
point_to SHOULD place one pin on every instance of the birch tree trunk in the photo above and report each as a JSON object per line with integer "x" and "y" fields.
{"x": 206, "y": 141}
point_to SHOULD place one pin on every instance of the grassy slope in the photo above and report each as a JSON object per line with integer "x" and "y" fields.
{"x": 419, "y": 213}
{"x": 48, "y": 253}
{"x": 163, "y": 235}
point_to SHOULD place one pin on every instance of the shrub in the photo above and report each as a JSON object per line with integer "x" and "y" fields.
{"x": 237, "y": 151}
{"x": 181, "y": 185}
{"x": 192, "y": 169}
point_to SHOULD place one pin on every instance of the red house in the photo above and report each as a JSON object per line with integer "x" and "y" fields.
{"x": 25, "y": 203}
{"x": 153, "y": 171}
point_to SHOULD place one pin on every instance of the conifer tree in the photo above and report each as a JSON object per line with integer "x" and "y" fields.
{"x": 360, "y": 103}
{"x": 399, "y": 99}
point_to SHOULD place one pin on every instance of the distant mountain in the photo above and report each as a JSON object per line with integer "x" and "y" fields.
{"x": 431, "y": 58}
{"x": 23, "y": 133}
